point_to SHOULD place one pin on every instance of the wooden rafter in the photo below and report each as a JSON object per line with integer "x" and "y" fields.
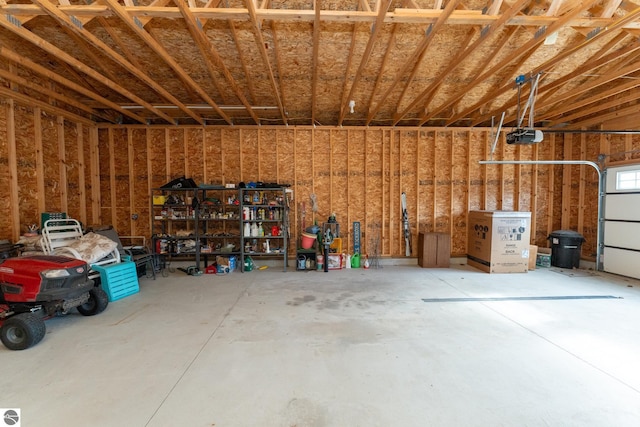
{"x": 52, "y": 94}
{"x": 265, "y": 59}
{"x": 566, "y": 53}
{"x": 212, "y": 57}
{"x": 276, "y": 51}
{"x": 591, "y": 64}
{"x": 531, "y": 44}
{"x": 510, "y": 32}
{"x": 38, "y": 69}
{"x": 60, "y": 54}
{"x": 497, "y": 90}
{"x": 414, "y": 59}
{"x": 630, "y": 111}
{"x": 67, "y": 23}
{"x": 485, "y": 35}
{"x": 243, "y": 62}
{"x": 43, "y": 105}
{"x": 377, "y": 29}
{"x": 122, "y": 13}
{"x": 598, "y": 106}
{"x": 631, "y": 84}
{"x": 352, "y": 47}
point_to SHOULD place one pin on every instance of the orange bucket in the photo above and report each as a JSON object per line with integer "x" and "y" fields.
{"x": 307, "y": 240}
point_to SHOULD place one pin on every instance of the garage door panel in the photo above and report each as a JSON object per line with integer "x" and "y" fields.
{"x": 621, "y": 252}
{"x": 621, "y": 261}
{"x": 622, "y": 234}
{"x": 623, "y": 207}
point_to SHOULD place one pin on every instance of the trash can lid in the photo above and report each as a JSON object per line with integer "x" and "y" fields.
{"x": 567, "y": 234}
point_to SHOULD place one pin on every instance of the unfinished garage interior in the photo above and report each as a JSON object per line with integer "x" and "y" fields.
{"x": 344, "y": 108}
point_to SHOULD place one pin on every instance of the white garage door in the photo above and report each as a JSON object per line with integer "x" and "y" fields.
{"x": 621, "y": 253}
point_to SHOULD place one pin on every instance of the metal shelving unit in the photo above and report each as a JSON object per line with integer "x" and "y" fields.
{"x": 267, "y": 208}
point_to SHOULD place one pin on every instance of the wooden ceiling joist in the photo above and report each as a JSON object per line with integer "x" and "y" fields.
{"x": 68, "y": 24}
{"x": 265, "y": 59}
{"x": 485, "y": 35}
{"x": 80, "y": 66}
{"x": 537, "y": 39}
{"x": 122, "y": 13}
{"x": 38, "y": 69}
{"x": 399, "y": 15}
{"x": 416, "y": 57}
{"x": 212, "y": 57}
{"x": 375, "y": 33}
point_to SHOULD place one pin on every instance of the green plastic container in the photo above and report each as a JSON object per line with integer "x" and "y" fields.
{"x": 355, "y": 260}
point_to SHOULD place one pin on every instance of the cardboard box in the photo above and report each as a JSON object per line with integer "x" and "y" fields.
{"x": 434, "y": 250}
{"x": 498, "y": 241}
{"x": 533, "y": 252}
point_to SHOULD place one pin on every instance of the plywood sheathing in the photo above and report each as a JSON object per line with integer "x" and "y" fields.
{"x": 358, "y": 173}
{"x": 27, "y": 170}
{"x": 6, "y": 223}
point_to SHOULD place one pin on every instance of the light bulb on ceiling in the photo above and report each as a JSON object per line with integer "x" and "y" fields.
{"x": 352, "y": 105}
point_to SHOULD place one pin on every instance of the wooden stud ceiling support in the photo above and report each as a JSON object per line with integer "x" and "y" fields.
{"x": 212, "y": 57}
{"x": 21, "y": 60}
{"x": 132, "y": 176}
{"x": 534, "y": 193}
{"x": 567, "y": 182}
{"x": 82, "y": 199}
{"x": 12, "y": 160}
{"x": 62, "y": 161}
{"x": 130, "y": 21}
{"x": 616, "y": 26}
{"x": 484, "y": 36}
{"x": 112, "y": 179}
{"x": 531, "y": 44}
{"x": 39, "y": 154}
{"x": 80, "y": 66}
{"x": 415, "y": 58}
{"x": 94, "y": 171}
{"x": 265, "y": 59}
{"x": 67, "y": 23}
{"x": 582, "y": 183}
{"x": 384, "y": 6}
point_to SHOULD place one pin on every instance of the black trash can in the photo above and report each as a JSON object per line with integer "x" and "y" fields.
{"x": 566, "y": 246}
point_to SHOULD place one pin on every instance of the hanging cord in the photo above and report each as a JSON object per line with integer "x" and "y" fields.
{"x": 314, "y": 203}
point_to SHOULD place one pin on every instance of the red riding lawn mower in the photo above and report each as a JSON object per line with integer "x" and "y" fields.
{"x": 35, "y": 288}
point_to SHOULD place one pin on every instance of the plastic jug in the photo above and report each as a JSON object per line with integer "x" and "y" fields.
{"x": 355, "y": 260}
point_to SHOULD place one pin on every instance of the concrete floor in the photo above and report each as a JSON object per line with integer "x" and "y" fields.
{"x": 343, "y": 348}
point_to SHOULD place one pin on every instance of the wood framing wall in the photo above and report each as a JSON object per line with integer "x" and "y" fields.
{"x": 104, "y": 175}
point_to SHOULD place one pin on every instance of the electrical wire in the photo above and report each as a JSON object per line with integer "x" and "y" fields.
{"x": 314, "y": 203}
